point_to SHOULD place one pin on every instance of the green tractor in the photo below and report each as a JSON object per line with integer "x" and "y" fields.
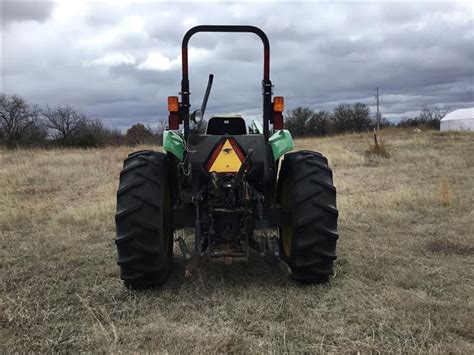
{"x": 228, "y": 182}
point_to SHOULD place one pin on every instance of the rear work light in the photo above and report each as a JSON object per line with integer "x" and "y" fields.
{"x": 227, "y": 157}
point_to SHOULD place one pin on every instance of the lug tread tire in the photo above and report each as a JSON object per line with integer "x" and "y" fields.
{"x": 144, "y": 239}
{"x": 313, "y": 216}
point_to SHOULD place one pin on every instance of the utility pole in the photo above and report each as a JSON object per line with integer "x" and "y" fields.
{"x": 378, "y": 112}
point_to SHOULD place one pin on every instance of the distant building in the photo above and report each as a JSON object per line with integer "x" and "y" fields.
{"x": 459, "y": 120}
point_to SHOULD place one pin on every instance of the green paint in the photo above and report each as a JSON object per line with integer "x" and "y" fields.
{"x": 174, "y": 144}
{"x": 281, "y": 142}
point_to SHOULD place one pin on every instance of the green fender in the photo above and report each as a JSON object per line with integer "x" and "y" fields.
{"x": 174, "y": 144}
{"x": 281, "y": 142}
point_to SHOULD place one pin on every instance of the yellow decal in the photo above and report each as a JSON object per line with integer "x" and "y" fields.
{"x": 227, "y": 160}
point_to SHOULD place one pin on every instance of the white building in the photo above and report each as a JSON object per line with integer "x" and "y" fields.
{"x": 459, "y": 120}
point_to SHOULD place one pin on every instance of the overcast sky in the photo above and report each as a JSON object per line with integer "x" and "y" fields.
{"x": 120, "y": 62}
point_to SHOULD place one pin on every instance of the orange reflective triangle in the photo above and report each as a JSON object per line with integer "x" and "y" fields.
{"x": 227, "y": 160}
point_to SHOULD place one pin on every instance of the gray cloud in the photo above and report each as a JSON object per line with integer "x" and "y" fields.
{"x": 120, "y": 63}
{"x": 17, "y": 11}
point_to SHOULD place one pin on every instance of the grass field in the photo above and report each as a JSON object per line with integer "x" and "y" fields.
{"x": 404, "y": 277}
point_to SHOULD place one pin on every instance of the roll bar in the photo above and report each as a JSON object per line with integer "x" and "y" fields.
{"x": 266, "y": 83}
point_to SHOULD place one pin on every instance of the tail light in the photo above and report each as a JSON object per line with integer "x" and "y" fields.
{"x": 277, "y": 121}
{"x": 173, "y": 121}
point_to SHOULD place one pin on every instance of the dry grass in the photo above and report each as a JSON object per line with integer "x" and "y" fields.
{"x": 443, "y": 246}
{"x": 445, "y": 194}
{"x": 377, "y": 149}
{"x": 404, "y": 278}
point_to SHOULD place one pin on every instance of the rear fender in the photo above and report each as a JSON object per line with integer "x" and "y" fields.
{"x": 281, "y": 143}
{"x": 173, "y": 143}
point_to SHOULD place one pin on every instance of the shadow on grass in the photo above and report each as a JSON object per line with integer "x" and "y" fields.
{"x": 447, "y": 247}
{"x": 207, "y": 275}
{"x": 260, "y": 273}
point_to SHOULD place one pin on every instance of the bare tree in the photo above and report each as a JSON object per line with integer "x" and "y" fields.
{"x": 297, "y": 120}
{"x": 431, "y": 117}
{"x": 361, "y": 120}
{"x": 342, "y": 118}
{"x": 65, "y": 121}
{"x": 319, "y": 124}
{"x": 138, "y": 134}
{"x": 17, "y": 119}
{"x": 428, "y": 118}
{"x": 158, "y": 132}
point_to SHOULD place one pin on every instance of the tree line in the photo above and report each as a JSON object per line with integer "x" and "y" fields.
{"x": 344, "y": 118}
{"x": 24, "y": 124}
{"x": 27, "y": 125}
{"x": 428, "y": 118}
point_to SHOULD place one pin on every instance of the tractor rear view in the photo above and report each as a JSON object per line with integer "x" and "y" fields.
{"x": 227, "y": 181}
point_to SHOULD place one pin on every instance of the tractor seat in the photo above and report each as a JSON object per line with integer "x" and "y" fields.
{"x": 222, "y": 126}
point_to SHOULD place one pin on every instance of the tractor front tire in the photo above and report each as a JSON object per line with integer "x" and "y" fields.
{"x": 144, "y": 232}
{"x": 307, "y": 195}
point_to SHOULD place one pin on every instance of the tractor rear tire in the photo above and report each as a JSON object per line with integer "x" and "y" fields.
{"x": 308, "y": 239}
{"x": 144, "y": 231}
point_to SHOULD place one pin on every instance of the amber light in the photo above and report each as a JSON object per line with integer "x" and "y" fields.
{"x": 278, "y": 104}
{"x": 173, "y": 104}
